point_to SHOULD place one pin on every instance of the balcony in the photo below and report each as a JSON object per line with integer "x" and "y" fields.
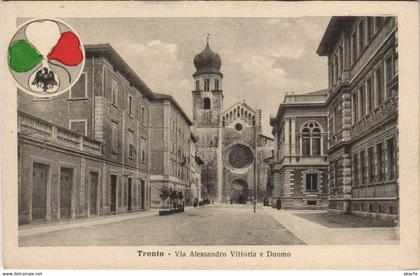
{"x": 37, "y": 129}
{"x": 381, "y": 114}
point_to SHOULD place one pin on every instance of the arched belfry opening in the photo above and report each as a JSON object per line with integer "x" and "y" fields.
{"x": 206, "y": 103}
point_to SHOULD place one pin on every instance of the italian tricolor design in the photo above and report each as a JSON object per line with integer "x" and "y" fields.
{"x": 45, "y": 57}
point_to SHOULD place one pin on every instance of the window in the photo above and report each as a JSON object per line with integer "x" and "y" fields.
{"x": 206, "y": 103}
{"x": 330, "y": 74}
{"x": 216, "y": 84}
{"x": 355, "y": 170}
{"x": 335, "y": 68}
{"x": 311, "y": 139}
{"x": 336, "y": 119}
{"x": 143, "y": 114}
{"x": 379, "y": 22}
{"x": 238, "y": 127}
{"x": 340, "y": 61}
{"x": 370, "y": 96}
{"x": 130, "y": 105}
{"x": 79, "y": 90}
{"x": 197, "y": 85}
{"x": 311, "y": 179}
{"x": 336, "y": 173}
{"x": 395, "y": 64}
{"x": 388, "y": 75}
{"x": 316, "y": 142}
{"x": 370, "y": 27}
{"x": 353, "y": 48}
{"x": 355, "y": 108}
{"x": 114, "y": 137}
{"x": 361, "y": 36}
{"x": 114, "y": 93}
{"x": 78, "y": 126}
{"x": 391, "y": 159}
{"x": 143, "y": 151}
{"x": 370, "y": 165}
{"x": 206, "y": 85}
{"x": 306, "y": 142}
{"x": 362, "y": 101}
{"x": 379, "y": 86}
{"x": 131, "y": 147}
{"x": 379, "y": 163}
{"x": 362, "y": 168}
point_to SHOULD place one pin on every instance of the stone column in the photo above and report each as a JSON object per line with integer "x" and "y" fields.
{"x": 293, "y": 137}
{"x": 220, "y": 179}
{"x": 286, "y": 137}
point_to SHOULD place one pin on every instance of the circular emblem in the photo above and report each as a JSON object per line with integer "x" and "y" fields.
{"x": 46, "y": 57}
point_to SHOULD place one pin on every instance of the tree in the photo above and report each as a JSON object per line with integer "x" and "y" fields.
{"x": 180, "y": 197}
{"x": 173, "y": 196}
{"x": 164, "y": 193}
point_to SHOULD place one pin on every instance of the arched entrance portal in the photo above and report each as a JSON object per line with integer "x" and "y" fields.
{"x": 238, "y": 192}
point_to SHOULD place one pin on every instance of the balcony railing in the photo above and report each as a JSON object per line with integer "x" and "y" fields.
{"x": 36, "y": 128}
{"x": 381, "y": 114}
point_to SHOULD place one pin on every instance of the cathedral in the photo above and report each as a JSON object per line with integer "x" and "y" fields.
{"x": 230, "y": 141}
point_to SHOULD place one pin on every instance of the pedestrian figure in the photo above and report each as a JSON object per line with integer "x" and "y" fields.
{"x": 278, "y": 204}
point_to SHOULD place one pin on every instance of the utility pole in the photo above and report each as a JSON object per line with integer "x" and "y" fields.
{"x": 257, "y": 125}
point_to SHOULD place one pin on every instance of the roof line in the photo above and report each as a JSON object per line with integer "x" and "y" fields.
{"x": 241, "y": 103}
{"x": 160, "y": 97}
{"x": 117, "y": 61}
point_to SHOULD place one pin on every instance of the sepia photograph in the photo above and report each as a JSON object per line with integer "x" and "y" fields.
{"x": 207, "y": 136}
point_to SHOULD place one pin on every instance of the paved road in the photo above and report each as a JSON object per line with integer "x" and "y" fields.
{"x": 211, "y": 225}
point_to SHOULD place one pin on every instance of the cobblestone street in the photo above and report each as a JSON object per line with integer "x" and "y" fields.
{"x": 211, "y": 225}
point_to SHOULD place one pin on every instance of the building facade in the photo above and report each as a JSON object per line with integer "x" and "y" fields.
{"x": 362, "y": 114}
{"x": 299, "y": 164}
{"x": 227, "y": 139}
{"x": 86, "y": 152}
{"x": 171, "y": 150}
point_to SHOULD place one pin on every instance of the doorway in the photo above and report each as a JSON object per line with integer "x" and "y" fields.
{"x": 113, "y": 205}
{"x": 66, "y": 183}
{"x": 93, "y": 193}
{"x": 142, "y": 196}
{"x": 39, "y": 191}
{"x": 238, "y": 191}
{"x": 130, "y": 194}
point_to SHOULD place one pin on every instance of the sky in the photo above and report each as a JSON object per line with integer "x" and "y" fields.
{"x": 262, "y": 58}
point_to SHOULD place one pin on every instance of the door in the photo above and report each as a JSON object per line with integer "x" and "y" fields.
{"x": 39, "y": 191}
{"x": 66, "y": 183}
{"x": 93, "y": 193}
{"x": 142, "y": 191}
{"x": 113, "y": 194}
{"x": 130, "y": 194}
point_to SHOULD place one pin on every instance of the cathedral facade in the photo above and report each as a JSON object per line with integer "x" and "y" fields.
{"x": 230, "y": 141}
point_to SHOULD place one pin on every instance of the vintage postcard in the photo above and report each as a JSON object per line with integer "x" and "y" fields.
{"x": 216, "y": 135}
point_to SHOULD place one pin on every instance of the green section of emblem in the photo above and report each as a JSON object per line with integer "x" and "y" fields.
{"x": 23, "y": 56}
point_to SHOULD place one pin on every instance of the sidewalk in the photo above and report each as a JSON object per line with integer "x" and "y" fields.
{"x": 32, "y": 229}
{"x": 312, "y": 233}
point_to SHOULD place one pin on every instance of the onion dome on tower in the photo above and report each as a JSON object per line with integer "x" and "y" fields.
{"x": 207, "y": 62}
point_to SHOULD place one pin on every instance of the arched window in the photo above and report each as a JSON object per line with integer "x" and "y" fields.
{"x": 311, "y": 139}
{"x": 206, "y": 85}
{"x": 206, "y": 103}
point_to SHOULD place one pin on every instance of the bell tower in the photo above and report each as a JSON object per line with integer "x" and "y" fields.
{"x": 207, "y": 93}
{"x": 207, "y": 109}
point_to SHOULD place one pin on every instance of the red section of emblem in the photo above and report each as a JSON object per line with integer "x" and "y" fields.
{"x": 67, "y": 50}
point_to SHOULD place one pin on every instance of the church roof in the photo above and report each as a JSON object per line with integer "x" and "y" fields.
{"x": 241, "y": 103}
